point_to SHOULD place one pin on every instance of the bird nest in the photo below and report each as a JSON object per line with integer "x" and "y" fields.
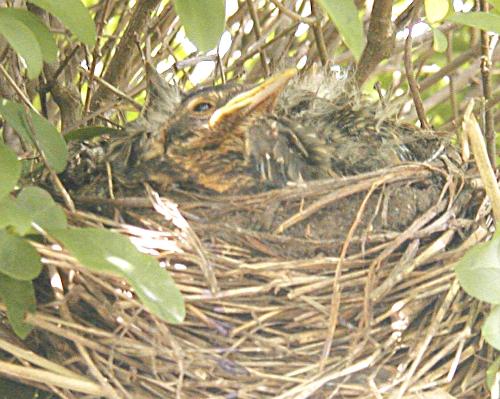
{"x": 339, "y": 288}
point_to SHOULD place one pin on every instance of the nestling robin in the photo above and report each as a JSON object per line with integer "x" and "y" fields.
{"x": 233, "y": 138}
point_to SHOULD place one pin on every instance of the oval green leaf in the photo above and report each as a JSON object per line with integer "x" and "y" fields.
{"x": 481, "y": 20}
{"x": 50, "y": 141}
{"x": 440, "y": 42}
{"x": 18, "y": 258}
{"x": 496, "y": 4}
{"x": 42, "y": 209}
{"x": 74, "y": 15}
{"x": 19, "y": 298}
{"x": 105, "y": 251}
{"x": 436, "y": 10}
{"x": 13, "y": 113}
{"x": 23, "y": 41}
{"x": 344, "y": 15}
{"x": 42, "y": 34}
{"x": 491, "y": 328}
{"x": 47, "y": 137}
{"x": 13, "y": 217}
{"x": 479, "y": 271}
{"x": 203, "y": 21}
{"x": 10, "y": 170}
{"x": 491, "y": 373}
{"x": 88, "y": 133}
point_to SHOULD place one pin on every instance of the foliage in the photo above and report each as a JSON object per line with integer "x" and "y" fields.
{"x": 33, "y": 212}
{"x": 479, "y": 275}
{"x": 31, "y": 38}
{"x": 203, "y": 21}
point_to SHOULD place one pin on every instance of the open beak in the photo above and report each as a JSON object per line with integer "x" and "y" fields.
{"x": 264, "y": 93}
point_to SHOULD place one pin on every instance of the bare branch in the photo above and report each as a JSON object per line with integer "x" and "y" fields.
{"x": 380, "y": 40}
{"x": 410, "y": 75}
{"x": 489, "y": 124}
{"x": 116, "y": 71}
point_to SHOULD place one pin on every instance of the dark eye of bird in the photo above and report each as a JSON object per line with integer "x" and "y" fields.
{"x": 202, "y": 107}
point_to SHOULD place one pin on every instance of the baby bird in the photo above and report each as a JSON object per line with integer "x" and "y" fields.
{"x": 238, "y": 139}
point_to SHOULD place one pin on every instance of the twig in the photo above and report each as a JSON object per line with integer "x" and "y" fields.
{"x": 16, "y": 88}
{"x": 51, "y": 81}
{"x": 335, "y": 300}
{"x": 116, "y": 70}
{"x": 95, "y": 54}
{"x": 258, "y": 34}
{"x": 293, "y": 15}
{"x": 453, "y": 97}
{"x": 113, "y": 89}
{"x": 65, "y": 94}
{"x": 489, "y": 126}
{"x": 414, "y": 89}
{"x": 318, "y": 34}
{"x": 380, "y": 40}
{"x": 452, "y": 66}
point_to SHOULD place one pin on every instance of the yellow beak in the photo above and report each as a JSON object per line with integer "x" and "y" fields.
{"x": 266, "y": 91}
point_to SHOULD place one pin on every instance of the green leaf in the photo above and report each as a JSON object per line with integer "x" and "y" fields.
{"x": 48, "y": 138}
{"x": 481, "y": 20}
{"x": 73, "y": 15}
{"x": 10, "y": 170}
{"x": 436, "y": 10}
{"x": 22, "y": 39}
{"x": 18, "y": 258}
{"x": 203, "y": 21}
{"x": 42, "y": 34}
{"x": 87, "y": 133}
{"x": 13, "y": 113}
{"x": 42, "y": 209}
{"x": 344, "y": 15}
{"x": 496, "y": 4}
{"x": 14, "y": 217}
{"x": 479, "y": 271}
{"x": 491, "y": 328}
{"x": 19, "y": 297}
{"x": 440, "y": 42}
{"x": 105, "y": 251}
{"x": 491, "y": 373}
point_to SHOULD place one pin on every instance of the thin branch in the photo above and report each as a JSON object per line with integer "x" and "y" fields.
{"x": 380, "y": 40}
{"x": 293, "y": 15}
{"x": 17, "y": 89}
{"x": 489, "y": 125}
{"x": 95, "y": 55}
{"x": 453, "y": 65}
{"x": 410, "y": 75}
{"x": 318, "y": 35}
{"x": 258, "y": 34}
{"x": 116, "y": 71}
{"x": 52, "y": 79}
{"x": 113, "y": 89}
{"x": 453, "y": 97}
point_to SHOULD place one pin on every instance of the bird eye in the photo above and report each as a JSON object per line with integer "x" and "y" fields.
{"x": 202, "y": 107}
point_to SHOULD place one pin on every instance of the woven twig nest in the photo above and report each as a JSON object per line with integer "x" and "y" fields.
{"x": 335, "y": 289}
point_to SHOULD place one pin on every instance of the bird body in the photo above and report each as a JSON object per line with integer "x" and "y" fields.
{"x": 238, "y": 139}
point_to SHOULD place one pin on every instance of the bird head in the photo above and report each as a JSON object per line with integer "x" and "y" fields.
{"x": 204, "y": 141}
